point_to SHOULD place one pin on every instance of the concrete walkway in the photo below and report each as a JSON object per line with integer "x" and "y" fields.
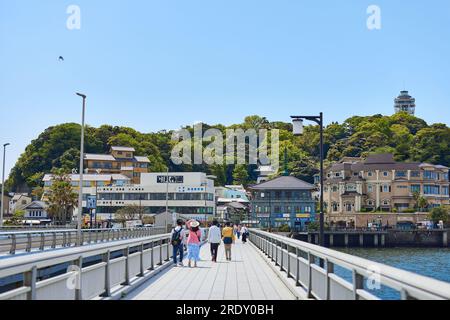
{"x": 247, "y": 277}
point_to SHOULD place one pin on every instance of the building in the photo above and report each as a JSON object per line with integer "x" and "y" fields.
{"x": 191, "y": 194}
{"x": 405, "y": 103}
{"x": 91, "y": 182}
{"x": 265, "y": 172}
{"x": 18, "y": 202}
{"x": 378, "y": 183}
{"x": 121, "y": 160}
{"x": 36, "y": 210}
{"x": 285, "y": 200}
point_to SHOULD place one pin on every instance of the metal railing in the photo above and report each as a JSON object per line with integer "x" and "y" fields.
{"x": 12, "y": 242}
{"x": 312, "y": 269}
{"x": 83, "y": 272}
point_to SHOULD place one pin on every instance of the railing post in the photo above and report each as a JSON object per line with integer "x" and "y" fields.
{"x": 42, "y": 244}
{"x": 358, "y": 283}
{"x": 28, "y": 249}
{"x": 142, "y": 260}
{"x": 168, "y": 251}
{"x": 126, "y": 253}
{"x": 160, "y": 252}
{"x": 78, "y": 288}
{"x": 282, "y": 256}
{"x": 310, "y": 262}
{"x": 288, "y": 262}
{"x": 69, "y": 240}
{"x": 152, "y": 255}
{"x": 106, "y": 259}
{"x": 297, "y": 274}
{"x": 329, "y": 268}
{"x": 90, "y": 237}
{"x": 54, "y": 240}
{"x": 12, "y": 250}
{"x": 82, "y": 239}
{"x": 29, "y": 280}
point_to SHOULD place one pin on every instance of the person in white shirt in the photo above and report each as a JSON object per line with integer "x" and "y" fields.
{"x": 244, "y": 232}
{"x": 214, "y": 239}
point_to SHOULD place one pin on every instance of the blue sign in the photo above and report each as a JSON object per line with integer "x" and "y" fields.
{"x": 91, "y": 202}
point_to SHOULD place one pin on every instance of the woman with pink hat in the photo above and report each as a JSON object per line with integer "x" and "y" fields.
{"x": 193, "y": 242}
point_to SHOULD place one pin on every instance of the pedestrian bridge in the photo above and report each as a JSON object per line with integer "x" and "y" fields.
{"x": 268, "y": 267}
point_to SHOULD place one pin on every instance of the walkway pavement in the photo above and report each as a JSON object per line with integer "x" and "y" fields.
{"x": 247, "y": 277}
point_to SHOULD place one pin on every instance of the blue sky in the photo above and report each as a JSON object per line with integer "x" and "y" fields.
{"x": 155, "y": 65}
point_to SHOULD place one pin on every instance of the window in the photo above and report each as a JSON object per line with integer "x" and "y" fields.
{"x": 386, "y": 188}
{"x": 400, "y": 174}
{"x": 415, "y": 188}
{"x": 385, "y": 173}
{"x": 370, "y": 174}
{"x": 430, "y": 175}
{"x": 350, "y": 187}
{"x": 415, "y": 174}
{"x": 370, "y": 202}
{"x": 277, "y": 209}
{"x": 337, "y": 174}
{"x": 288, "y": 194}
{"x": 402, "y": 187}
{"x": 335, "y": 206}
{"x": 335, "y": 189}
{"x": 369, "y": 188}
{"x": 445, "y": 190}
{"x": 308, "y": 209}
{"x": 430, "y": 189}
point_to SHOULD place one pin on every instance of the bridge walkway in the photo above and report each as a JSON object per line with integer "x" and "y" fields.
{"x": 246, "y": 277}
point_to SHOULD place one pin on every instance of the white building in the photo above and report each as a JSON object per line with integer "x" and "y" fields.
{"x": 36, "y": 210}
{"x": 18, "y": 202}
{"x": 404, "y": 102}
{"x": 190, "y": 194}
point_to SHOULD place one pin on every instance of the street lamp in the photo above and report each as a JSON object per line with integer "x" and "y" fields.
{"x": 3, "y": 184}
{"x": 80, "y": 192}
{"x": 298, "y": 129}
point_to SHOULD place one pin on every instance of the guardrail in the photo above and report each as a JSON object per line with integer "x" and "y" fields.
{"x": 12, "y": 242}
{"x": 87, "y": 272}
{"x": 312, "y": 269}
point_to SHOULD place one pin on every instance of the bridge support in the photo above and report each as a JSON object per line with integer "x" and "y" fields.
{"x": 375, "y": 240}
{"x": 346, "y": 239}
{"x": 361, "y": 240}
{"x": 383, "y": 240}
{"x": 331, "y": 240}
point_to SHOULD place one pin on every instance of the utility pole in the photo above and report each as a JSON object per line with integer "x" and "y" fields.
{"x": 3, "y": 185}
{"x": 80, "y": 193}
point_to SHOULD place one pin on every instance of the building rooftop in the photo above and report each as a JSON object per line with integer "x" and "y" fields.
{"x": 284, "y": 183}
{"x": 123, "y": 149}
{"x": 99, "y": 157}
{"x": 90, "y": 177}
{"x": 142, "y": 159}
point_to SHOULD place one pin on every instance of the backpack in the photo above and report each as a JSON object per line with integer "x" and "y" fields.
{"x": 176, "y": 241}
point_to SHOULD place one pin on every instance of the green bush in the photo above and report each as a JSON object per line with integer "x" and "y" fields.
{"x": 313, "y": 226}
{"x": 284, "y": 228}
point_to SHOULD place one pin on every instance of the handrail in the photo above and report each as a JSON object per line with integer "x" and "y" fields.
{"x": 409, "y": 284}
{"x": 17, "y": 241}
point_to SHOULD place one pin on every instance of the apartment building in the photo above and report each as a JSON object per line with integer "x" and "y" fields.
{"x": 191, "y": 194}
{"x": 379, "y": 183}
{"x": 121, "y": 160}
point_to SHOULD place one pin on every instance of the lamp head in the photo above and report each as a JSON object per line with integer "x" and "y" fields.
{"x": 6, "y": 144}
{"x": 81, "y": 95}
{"x": 297, "y": 127}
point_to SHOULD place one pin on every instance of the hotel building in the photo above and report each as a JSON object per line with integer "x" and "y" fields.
{"x": 121, "y": 160}
{"x": 379, "y": 183}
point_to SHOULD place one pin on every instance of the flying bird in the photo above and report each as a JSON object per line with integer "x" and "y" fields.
{"x": 61, "y": 58}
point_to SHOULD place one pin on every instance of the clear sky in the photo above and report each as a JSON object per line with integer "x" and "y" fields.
{"x": 155, "y": 65}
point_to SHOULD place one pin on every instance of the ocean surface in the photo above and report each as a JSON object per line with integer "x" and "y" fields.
{"x": 430, "y": 262}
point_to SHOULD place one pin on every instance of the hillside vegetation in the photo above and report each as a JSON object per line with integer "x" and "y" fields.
{"x": 407, "y": 137}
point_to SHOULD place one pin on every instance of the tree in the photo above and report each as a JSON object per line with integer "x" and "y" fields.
{"x": 439, "y": 214}
{"x": 17, "y": 218}
{"x": 62, "y": 198}
{"x": 422, "y": 203}
{"x": 129, "y": 213}
{"x": 37, "y": 193}
{"x": 240, "y": 175}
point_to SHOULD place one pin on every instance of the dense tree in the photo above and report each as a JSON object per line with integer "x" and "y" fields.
{"x": 407, "y": 137}
{"x": 62, "y": 198}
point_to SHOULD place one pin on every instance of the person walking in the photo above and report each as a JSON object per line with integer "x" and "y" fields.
{"x": 177, "y": 240}
{"x": 244, "y": 232}
{"x": 214, "y": 239}
{"x": 193, "y": 243}
{"x": 228, "y": 239}
{"x": 238, "y": 231}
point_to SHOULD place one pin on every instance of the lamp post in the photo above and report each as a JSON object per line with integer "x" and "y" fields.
{"x": 80, "y": 192}
{"x": 298, "y": 130}
{"x": 3, "y": 185}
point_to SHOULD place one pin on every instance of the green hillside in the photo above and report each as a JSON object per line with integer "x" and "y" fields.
{"x": 407, "y": 137}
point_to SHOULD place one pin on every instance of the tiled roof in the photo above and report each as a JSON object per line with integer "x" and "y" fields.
{"x": 124, "y": 149}
{"x": 101, "y": 157}
{"x": 142, "y": 159}
{"x": 284, "y": 183}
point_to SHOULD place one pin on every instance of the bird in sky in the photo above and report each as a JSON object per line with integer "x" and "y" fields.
{"x": 61, "y": 58}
